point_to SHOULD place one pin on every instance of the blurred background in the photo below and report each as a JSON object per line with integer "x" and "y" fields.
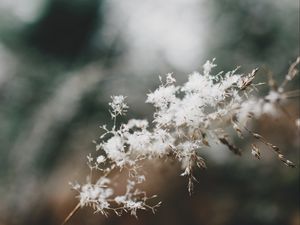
{"x": 60, "y": 61}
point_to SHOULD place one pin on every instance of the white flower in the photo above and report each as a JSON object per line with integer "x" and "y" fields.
{"x": 273, "y": 97}
{"x": 208, "y": 66}
{"x": 115, "y": 150}
{"x": 118, "y": 105}
{"x": 100, "y": 159}
{"x": 170, "y": 79}
{"x": 162, "y": 96}
{"x": 99, "y": 193}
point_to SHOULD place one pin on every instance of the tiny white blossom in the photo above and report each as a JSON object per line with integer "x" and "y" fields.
{"x": 114, "y": 149}
{"x": 273, "y": 97}
{"x": 170, "y": 79}
{"x": 162, "y": 96}
{"x": 208, "y": 66}
{"x": 118, "y": 105}
{"x": 100, "y": 159}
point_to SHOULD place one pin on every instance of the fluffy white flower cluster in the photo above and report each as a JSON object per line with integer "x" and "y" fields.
{"x": 187, "y": 118}
{"x": 118, "y": 105}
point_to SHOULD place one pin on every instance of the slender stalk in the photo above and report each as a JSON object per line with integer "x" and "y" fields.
{"x": 71, "y": 214}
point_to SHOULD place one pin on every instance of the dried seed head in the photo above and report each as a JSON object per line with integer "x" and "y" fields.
{"x": 286, "y": 161}
{"x": 230, "y": 146}
{"x": 255, "y": 151}
{"x": 247, "y": 81}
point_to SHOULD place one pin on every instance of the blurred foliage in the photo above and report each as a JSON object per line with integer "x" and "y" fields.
{"x": 256, "y": 32}
{"x": 65, "y": 27}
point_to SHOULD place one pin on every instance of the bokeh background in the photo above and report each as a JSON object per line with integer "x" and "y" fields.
{"x": 61, "y": 60}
